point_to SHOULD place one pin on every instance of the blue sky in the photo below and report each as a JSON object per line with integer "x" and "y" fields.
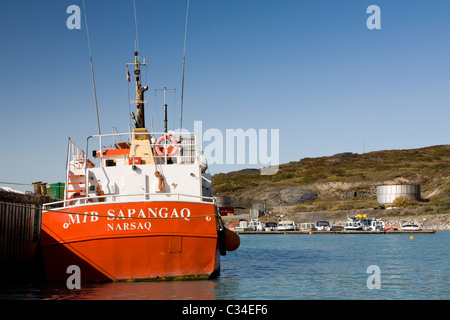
{"x": 311, "y": 69}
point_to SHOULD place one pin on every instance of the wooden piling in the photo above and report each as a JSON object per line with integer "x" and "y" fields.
{"x": 20, "y": 229}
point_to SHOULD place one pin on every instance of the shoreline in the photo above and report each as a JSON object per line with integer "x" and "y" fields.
{"x": 340, "y": 232}
{"x": 438, "y": 222}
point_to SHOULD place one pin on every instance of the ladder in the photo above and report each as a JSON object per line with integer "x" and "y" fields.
{"x": 76, "y": 186}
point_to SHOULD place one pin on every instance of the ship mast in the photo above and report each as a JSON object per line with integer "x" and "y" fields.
{"x": 165, "y": 107}
{"x": 140, "y": 120}
{"x": 141, "y": 147}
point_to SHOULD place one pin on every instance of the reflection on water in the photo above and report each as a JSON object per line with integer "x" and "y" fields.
{"x": 174, "y": 290}
{"x": 293, "y": 267}
{"x": 170, "y": 290}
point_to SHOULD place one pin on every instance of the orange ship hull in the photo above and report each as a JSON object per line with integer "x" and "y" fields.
{"x": 132, "y": 241}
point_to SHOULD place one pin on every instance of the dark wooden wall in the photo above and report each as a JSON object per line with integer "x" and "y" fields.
{"x": 20, "y": 229}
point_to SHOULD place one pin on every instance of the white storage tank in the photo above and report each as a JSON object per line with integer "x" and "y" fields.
{"x": 254, "y": 213}
{"x": 386, "y": 194}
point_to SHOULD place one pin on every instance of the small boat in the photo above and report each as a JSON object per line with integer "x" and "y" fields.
{"x": 307, "y": 226}
{"x": 411, "y": 227}
{"x": 366, "y": 224}
{"x": 243, "y": 226}
{"x": 353, "y": 223}
{"x": 256, "y": 225}
{"x": 270, "y": 226}
{"x": 337, "y": 228}
{"x": 233, "y": 226}
{"x": 390, "y": 227}
{"x": 286, "y": 226}
{"x": 377, "y": 225}
{"x": 323, "y": 225}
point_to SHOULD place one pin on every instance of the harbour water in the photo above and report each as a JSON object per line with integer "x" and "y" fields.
{"x": 294, "y": 267}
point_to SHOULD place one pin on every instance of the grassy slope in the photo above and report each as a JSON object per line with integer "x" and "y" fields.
{"x": 336, "y": 178}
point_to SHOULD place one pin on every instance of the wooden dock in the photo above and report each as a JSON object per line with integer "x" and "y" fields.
{"x": 339, "y": 232}
{"x": 20, "y": 229}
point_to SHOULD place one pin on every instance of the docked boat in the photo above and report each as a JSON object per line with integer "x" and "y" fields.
{"x": 270, "y": 226}
{"x": 256, "y": 225}
{"x": 410, "y": 227}
{"x": 286, "y": 225}
{"x": 353, "y": 223}
{"x": 377, "y": 225}
{"x": 366, "y": 224}
{"x": 243, "y": 226}
{"x": 323, "y": 225}
{"x": 137, "y": 206}
{"x": 233, "y": 225}
{"x": 391, "y": 227}
{"x": 307, "y": 226}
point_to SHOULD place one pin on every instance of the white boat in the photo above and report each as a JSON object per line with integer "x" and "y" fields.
{"x": 411, "y": 227}
{"x": 377, "y": 224}
{"x": 366, "y": 224}
{"x": 270, "y": 226}
{"x": 243, "y": 226}
{"x": 256, "y": 225}
{"x": 353, "y": 223}
{"x": 323, "y": 225}
{"x": 286, "y": 226}
{"x": 307, "y": 226}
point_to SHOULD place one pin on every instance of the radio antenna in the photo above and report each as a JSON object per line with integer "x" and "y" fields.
{"x": 165, "y": 107}
{"x": 135, "y": 23}
{"x": 92, "y": 68}
{"x": 184, "y": 59}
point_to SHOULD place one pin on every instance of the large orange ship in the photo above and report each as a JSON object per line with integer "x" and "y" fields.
{"x": 137, "y": 206}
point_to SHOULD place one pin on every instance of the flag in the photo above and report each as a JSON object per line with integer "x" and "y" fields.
{"x": 128, "y": 76}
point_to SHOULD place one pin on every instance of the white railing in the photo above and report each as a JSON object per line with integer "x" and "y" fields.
{"x": 143, "y": 197}
{"x": 182, "y": 149}
{"x": 76, "y": 156}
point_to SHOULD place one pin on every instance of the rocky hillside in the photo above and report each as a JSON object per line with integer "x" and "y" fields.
{"x": 345, "y": 181}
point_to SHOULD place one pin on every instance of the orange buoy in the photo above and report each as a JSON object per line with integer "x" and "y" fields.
{"x": 232, "y": 240}
{"x": 412, "y": 238}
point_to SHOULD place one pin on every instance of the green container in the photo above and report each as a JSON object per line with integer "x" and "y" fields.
{"x": 56, "y": 190}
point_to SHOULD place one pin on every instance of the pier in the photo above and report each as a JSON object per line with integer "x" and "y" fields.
{"x": 20, "y": 228}
{"x": 339, "y": 232}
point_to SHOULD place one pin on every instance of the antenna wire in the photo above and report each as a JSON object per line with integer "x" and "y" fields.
{"x": 92, "y": 67}
{"x": 184, "y": 59}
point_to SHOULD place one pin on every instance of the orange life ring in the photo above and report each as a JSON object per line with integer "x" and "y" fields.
{"x": 171, "y": 151}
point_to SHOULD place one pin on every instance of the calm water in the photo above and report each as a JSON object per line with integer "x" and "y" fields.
{"x": 292, "y": 267}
